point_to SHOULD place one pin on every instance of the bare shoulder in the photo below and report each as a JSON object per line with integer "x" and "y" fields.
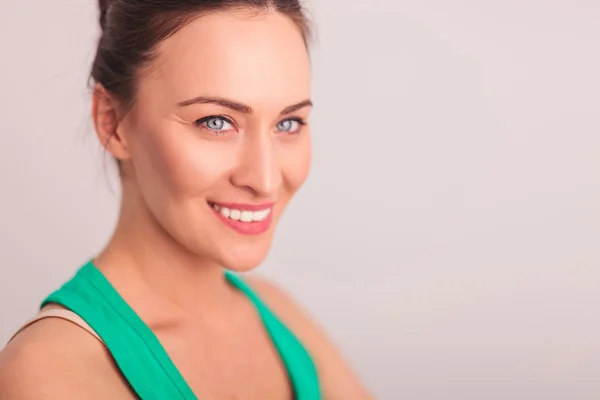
{"x": 338, "y": 379}
{"x": 283, "y": 305}
{"x": 55, "y": 359}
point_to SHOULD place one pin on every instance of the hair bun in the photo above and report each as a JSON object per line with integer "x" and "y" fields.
{"x": 104, "y": 6}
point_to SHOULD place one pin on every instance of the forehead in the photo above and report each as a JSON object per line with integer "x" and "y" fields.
{"x": 258, "y": 59}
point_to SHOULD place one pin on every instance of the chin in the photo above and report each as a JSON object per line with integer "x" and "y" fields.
{"x": 242, "y": 264}
{"x": 243, "y": 258}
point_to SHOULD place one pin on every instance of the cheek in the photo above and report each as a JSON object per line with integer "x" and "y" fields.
{"x": 173, "y": 162}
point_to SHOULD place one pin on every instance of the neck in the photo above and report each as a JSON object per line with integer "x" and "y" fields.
{"x": 148, "y": 265}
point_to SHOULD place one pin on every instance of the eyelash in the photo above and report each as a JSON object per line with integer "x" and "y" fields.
{"x": 201, "y": 121}
{"x": 297, "y": 119}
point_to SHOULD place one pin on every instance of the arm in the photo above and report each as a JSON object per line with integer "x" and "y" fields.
{"x": 54, "y": 359}
{"x": 30, "y": 370}
{"x": 338, "y": 380}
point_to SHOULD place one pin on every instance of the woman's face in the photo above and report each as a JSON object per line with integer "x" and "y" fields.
{"x": 217, "y": 138}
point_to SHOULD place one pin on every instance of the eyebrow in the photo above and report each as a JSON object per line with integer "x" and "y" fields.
{"x": 239, "y": 107}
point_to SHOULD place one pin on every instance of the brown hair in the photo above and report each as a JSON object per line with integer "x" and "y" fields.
{"x": 132, "y": 29}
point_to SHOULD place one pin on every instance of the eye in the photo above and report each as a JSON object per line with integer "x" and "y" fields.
{"x": 216, "y": 123}
{"x": 290, "y": 125}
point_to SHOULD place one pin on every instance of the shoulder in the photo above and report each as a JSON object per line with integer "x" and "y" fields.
{"x": 54, "y": 359}
{"x": 282, "y": 304}
{"x": 338, "y": 379}
{"x": 290, "y": 312}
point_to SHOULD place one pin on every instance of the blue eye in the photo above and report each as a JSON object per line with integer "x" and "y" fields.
{"x": 215, "y": 123}
{"x": 291, "y": 125}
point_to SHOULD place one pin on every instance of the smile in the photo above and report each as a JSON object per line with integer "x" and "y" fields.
{"x": 246, "y": 219}
{"x": 242, "y": 215}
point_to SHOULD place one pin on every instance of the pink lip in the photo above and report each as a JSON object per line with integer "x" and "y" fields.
{"x": 246, "y": 228}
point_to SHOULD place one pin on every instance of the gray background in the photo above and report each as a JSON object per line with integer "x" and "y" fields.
{"x": 447, "y": 238}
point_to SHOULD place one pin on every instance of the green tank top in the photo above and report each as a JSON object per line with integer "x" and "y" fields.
{"x": 138, "y": 352}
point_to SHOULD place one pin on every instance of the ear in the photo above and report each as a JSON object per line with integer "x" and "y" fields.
{"x": 108, "y": 123}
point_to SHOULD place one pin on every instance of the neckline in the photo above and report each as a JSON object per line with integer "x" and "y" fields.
{"x": 119, "y": 305}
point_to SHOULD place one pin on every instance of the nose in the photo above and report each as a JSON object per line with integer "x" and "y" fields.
{"x": 257, "y": 168}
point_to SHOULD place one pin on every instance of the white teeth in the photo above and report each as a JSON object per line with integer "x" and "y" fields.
{"x": 260, "y": 215}
{"x": 244, "y": 216}
{"x": 235, "y": 215}
{"x": 247, "y": 216}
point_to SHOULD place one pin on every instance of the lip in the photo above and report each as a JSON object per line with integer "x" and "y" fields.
{"x": 246, "y": 228}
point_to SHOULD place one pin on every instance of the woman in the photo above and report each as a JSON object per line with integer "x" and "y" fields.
{"x": 205, "y": 105}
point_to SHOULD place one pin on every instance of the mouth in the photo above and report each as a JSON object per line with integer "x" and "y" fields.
{"x": 244, "y": 218}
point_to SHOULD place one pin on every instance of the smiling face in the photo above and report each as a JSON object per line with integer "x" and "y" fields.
{"x": 217, "y": 139}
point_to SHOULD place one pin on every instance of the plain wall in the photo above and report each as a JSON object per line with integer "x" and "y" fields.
{"x": 448, "y": 237}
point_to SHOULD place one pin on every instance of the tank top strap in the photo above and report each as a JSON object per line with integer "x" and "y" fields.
{"x": 134, "y": 347}
{"x": 298, "y": 362}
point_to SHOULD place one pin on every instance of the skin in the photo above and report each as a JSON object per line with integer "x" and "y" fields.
{"x": 168, "y": 249}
